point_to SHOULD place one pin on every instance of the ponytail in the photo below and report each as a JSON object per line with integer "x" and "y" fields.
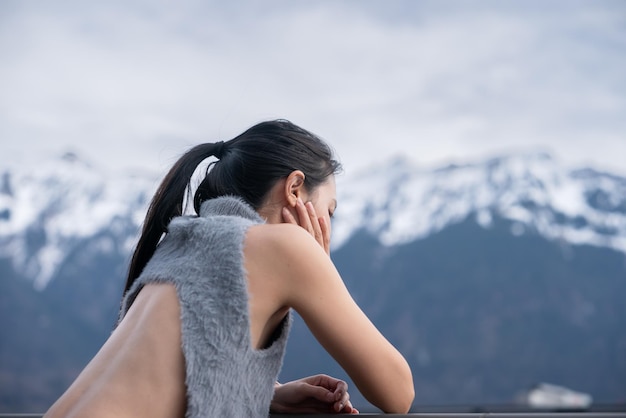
{"x": 166, "y": 204}
{"x": 249, "y": 166}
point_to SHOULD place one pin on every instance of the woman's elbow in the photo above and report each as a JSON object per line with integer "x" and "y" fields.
{"x": 404, "y": 400}
{"x": 401, "y": 400}
{"x": 407, "y": 398}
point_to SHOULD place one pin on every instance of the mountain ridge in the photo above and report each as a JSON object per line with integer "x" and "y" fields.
{"x": 47, "y": 211}
{"x": 579, "y": 206}
{"x": 481, "y": 306}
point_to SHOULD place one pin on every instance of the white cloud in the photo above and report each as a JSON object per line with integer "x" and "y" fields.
{"x": 137, "y": 82}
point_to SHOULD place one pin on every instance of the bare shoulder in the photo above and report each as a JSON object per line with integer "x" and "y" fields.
{"x": 288, "y": 252}
{"x": 297, "y": 263}
{"x": 282, "y": 239}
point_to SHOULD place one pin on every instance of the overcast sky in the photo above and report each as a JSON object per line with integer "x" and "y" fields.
{"x": 134, "y": 83}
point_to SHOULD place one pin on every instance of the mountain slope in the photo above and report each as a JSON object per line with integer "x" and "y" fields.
{"x": 482, "y": 315}
{"x": 489, "y": 276}
{"x": 46, "y": 213}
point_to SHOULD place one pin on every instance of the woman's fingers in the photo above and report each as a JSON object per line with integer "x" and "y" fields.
{"x": 342, "y": 397}
{"x": 338, "y": 401}
{"x": 288, "y": 217}
{"x": 304, "y": 219}
{"x": 325, "y": 228}
{"x": 315, "y": 223}
{"x": 307, "y": 218}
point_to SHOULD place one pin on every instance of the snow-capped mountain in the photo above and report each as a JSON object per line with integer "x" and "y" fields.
{"x": 400, "y": 203}
{"x": 473, "y": 271}
{"x": 47, "y": 211}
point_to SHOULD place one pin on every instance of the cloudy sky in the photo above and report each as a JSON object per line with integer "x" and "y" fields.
{"x": 134, "y": 83}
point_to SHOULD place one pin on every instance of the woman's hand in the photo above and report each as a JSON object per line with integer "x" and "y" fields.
{"x": 315, "y": 394}
{"x": 308, "y": 219}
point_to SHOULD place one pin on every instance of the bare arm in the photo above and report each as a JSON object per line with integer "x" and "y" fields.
{"x": 312, "y": 286}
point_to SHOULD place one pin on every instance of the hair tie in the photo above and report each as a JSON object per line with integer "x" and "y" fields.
{"x": 219, "y": 150}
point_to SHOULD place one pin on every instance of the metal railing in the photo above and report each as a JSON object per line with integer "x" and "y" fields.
{"x": 439, "y": 415}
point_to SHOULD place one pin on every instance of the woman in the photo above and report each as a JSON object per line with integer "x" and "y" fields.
{"x": 205, "y": 315}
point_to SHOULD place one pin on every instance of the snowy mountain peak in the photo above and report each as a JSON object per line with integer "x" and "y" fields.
{"x": 48, "y": 211}
{"x": 532, "y": 190}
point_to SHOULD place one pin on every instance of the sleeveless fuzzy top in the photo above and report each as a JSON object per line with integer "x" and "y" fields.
{"x": 203, "y": 257}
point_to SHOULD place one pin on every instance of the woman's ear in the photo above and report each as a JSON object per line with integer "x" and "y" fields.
{"x": 294, "y": 187}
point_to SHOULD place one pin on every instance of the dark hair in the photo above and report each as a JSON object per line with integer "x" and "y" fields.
{"x": 249, "y": 165}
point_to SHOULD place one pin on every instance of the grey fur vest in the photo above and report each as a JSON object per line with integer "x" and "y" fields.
{"x": 203, "y": 257}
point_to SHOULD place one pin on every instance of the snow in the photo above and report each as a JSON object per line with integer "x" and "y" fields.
{"x": 533, "y": 191}
{"x": 64, "y": 201}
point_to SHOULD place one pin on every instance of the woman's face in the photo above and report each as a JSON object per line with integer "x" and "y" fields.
{"x": 324, "y": 199}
